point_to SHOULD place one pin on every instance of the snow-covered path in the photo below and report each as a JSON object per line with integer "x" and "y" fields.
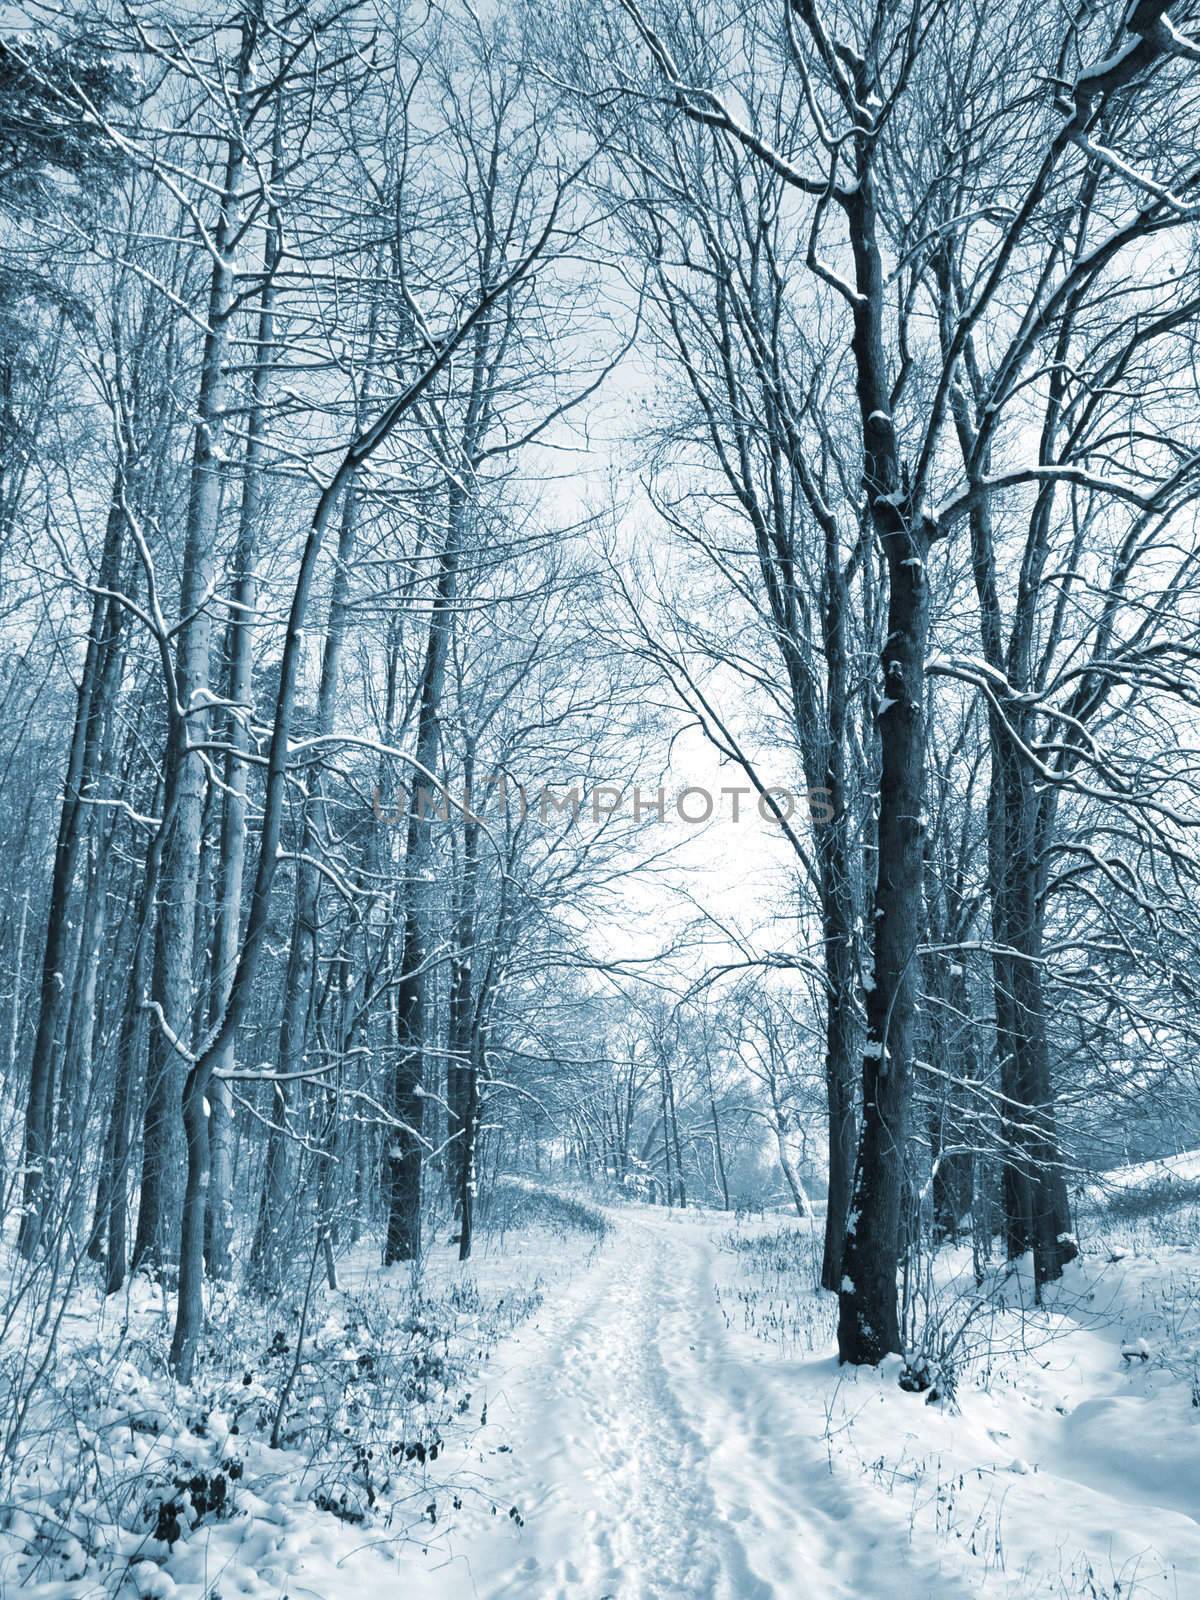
{"x": 653, "y": 1452}
{"x": 670, "y": 1424}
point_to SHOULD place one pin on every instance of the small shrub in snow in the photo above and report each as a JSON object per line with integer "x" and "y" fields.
{"x": 1153, "y": 1198}
{"x": 778, "y": 1298}
{"x": 512, "y": 1207}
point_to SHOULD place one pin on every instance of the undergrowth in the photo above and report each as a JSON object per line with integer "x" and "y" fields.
{"x": 513, "y": 1207}
{"x": 778, "y": 1297}
{"x": 118, "y": 1467}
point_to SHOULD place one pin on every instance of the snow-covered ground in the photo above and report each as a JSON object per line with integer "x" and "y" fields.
{"x": 679, "y": 1426}
{"x": 660, "y": 1414}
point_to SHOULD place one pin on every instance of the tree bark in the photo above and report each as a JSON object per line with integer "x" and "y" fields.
{"x": 462, "y": 1008}
{"x": 469, "y": 1177}
{"x": 268, "y": 1253}
{"x": 720, "y": 1152}
{"x": 239, "y": 692}
{"x": 113, "y": 1194}
{"x": 172, "y": 981}
{"x": 1037, "y": 1206}
{"x": 868, "y": 1320}
{"x": 103, "y": 636}
{"x": 406, "y": 1142}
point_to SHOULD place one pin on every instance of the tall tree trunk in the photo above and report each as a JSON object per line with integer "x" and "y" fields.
{"x": 841, "y": 1038}
{"x": 868, "y": 1319}
{"x": 113, "y": 1193}
{"x": 469, "y": 1176}
{"x": 1036, "y": 1207}
{"x": 218, "y": 1226}
{"x": 462, "y": 1009}
{"x": 406, "y": 1140}
{"x": 471, "y": 1108}
{"x": 717, "y": 1142}
{"x": 668, "y": 1186}
{"x": 172, "y": 981}
{"x": 78, "y": 1087}
{"x": 103, "y": 636}
{"x": 15, "y": 1008}
{"x": 1035, "y": 1183}
{"x": 838, "y": 917}
{"x": 268, "y": 1252}
{"x": 950, "y": 1115}
{"x": 679, "y": 1180}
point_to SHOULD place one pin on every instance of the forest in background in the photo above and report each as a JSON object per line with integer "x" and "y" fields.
{"x": 406, "y": 409}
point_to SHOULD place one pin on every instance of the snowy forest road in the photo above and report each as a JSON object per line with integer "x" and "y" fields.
{"x": 652, "y": 1455}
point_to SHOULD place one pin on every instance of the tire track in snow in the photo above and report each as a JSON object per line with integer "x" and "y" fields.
{"x": 653, "y": 1456}
{"x": 620, "y": 1504}
{"x": 665, "y": 1539}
